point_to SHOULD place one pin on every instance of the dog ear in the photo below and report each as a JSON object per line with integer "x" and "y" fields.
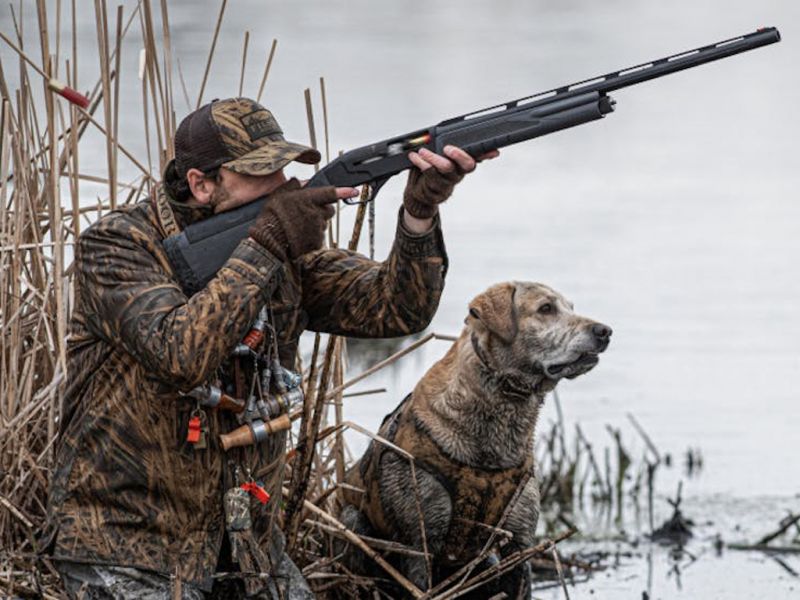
{"x": 495, "y": 310}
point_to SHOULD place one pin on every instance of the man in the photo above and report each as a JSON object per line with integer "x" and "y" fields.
{"x": 135, "y": 499}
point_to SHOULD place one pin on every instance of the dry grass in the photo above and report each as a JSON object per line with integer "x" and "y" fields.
{"x": 44, "y": 207}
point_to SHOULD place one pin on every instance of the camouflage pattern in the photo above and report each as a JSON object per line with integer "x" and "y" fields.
{"x": 238, "y": 134}
{"x": 237, "y": 510}
{"x": 250, "y": 132}
{"x": 96, "y": 582}
{"x": 479, "y": 495}
{"x": 127, "y": 488}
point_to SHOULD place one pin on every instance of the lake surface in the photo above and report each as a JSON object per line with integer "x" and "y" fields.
{"x": 675, "y": 219}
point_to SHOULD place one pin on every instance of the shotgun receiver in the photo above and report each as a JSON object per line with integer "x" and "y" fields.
{"x": 201, "y": 249}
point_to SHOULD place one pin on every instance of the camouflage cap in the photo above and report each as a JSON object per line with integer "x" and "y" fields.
{"x": 238, "y": 134}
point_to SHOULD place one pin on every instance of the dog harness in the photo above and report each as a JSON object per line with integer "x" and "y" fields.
{"x": 479, "y": 496}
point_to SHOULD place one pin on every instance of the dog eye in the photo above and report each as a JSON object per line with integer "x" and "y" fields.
{"x": 546, "y": 309}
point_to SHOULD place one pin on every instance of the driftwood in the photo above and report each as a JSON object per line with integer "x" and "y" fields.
{"x": 765, "y": 548}
{"x": 763, "y": 545}
{"x": 786, "y": 524}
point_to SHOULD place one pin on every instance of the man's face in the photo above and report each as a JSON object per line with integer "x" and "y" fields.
{"x": 231, "y": 189}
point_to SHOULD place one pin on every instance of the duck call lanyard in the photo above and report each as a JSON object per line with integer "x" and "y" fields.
{"x": 164, "y": 213}
{"x": 198, "y": 426}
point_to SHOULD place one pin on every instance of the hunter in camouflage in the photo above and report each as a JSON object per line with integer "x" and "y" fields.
{"x": 129, "y": 493}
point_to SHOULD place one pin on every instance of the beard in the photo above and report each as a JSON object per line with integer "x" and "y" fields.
{"x": 218, "y": 196}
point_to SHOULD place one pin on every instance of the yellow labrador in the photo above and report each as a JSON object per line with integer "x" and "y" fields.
{"x": 469, "y": 424}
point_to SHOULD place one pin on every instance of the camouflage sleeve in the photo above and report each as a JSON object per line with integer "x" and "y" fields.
{"x": 132, "y": 300}
{"x": 347, "y": 294}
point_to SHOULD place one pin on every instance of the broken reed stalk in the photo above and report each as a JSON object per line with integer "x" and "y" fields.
{"x": 58, "y": 34}
{"x": 765, "y": 548}
{"x": 72, "y": 163}
{"x": 244, "y": 61}
{"x": 122, "y": 148}
{"x": 169, "y": 109}
{"x": 338, "y": 376}
{"x": 388, "y": 361}
{"x": 356, "y": 541}
{"x": 101, "y": 23}
{"x": 54, "y": 207}
{"x": 464, "y": 572}
{"x": 145, "y": 115}
{"x": 266, "y": 70}
{"x": 312, "y": 132}
{"x": 312, "y": 377}
{"x": 333, "y": 233}
{"x": 325, "y": 118}
{"x": 375, "y": 543}
{"x": 183, "y": 87}
{"x": 365, "y": 393}
{"x": 44, "y": 35}
{"x": 598, "y": 477}
{"x": 785, "y": 526}
{"x": 623, "y": 463}
{"x": 211, "y": 53}
{"x": 647, "y": 440}
{"x": 306, "y": 448}
{"x": 309, "y": 426}
{"x": 113, "y": 171}
{"x": 505, "y": 565}
{"x": 161, "y": 110}
{"x": 339, "y": 367}
{"x": 74, "y": 35}
{"x": 560, "y": 572}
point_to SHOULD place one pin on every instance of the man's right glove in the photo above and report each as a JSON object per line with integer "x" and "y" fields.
{"x": 427, "y": 189}
{"x": 293, "y": 220}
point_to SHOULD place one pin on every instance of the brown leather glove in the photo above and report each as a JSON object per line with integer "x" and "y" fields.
{"x": 293, "y": 220}
{"x": 426, "y": 189}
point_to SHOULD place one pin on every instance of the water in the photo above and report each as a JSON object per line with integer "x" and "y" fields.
{"x": 674, "y": 220}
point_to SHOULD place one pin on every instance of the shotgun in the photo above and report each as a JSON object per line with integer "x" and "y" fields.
{"x": 200, "y": 250}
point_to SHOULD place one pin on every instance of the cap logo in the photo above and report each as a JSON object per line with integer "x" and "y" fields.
{"x": 259, "y": 124}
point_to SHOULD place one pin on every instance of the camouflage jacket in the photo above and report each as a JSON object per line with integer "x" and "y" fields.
{"x": 127, "y": 487}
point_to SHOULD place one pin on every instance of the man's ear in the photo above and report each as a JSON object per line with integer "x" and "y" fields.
{"x": 495, "y": 310}
{"x": 201, "y": 186}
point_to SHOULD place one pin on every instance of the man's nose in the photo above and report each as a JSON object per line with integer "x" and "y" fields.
{"x": 601, "y": 332}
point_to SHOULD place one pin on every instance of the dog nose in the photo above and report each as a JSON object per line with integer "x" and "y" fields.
{"x": 602, "y": 332}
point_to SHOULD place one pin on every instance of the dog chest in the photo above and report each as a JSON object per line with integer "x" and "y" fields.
{"x": 479, "y": 497}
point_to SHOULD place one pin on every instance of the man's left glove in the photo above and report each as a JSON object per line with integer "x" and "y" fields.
{"x": 293, "y": 220}
{"x": 427, "y": 189}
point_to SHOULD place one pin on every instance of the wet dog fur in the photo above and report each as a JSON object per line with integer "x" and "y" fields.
{"x": 479, "y": 404}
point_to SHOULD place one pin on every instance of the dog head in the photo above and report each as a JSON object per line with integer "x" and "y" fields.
{"x": 530, "y": 330}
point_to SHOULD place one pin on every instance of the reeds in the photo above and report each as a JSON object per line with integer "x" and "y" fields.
{"x": 574, "y": 481}
{"x": 44, "y": 205}
{"x": 47, "y": 197}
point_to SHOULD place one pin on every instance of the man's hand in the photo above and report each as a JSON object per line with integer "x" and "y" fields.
{"x": 343, "y": 193}
{"x": 432, "y": 180}
{"x": 293, "y": 219}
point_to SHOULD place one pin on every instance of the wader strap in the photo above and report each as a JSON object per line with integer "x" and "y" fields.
{"x": 166, "y": 218}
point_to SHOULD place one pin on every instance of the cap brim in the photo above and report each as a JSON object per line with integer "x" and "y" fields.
{"x": 272, "y": 157}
